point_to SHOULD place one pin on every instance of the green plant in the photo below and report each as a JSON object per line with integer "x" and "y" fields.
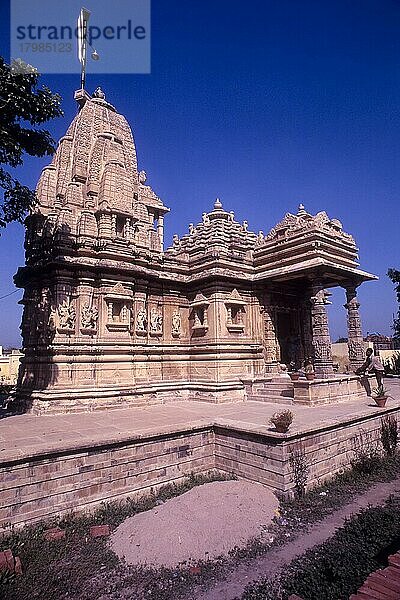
{"x": 367, "y": 456}
{"x": 79, "y": 566}
{"x": 282, "y": 419}
{"x": 392, "y": 364}
{"x": 380, "y": 391}
{"x": 338, "y": 567}
{"x": 300, "y": 466}
{"x": 6, "y": 577}
{"x": 389, "y": 434}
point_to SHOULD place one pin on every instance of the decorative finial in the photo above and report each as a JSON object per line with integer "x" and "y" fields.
{"x": 218, "y": 204}
{"x": 142, "y": 177}
{"x": 301, "y": 212}
{"x": 98, "y": 93}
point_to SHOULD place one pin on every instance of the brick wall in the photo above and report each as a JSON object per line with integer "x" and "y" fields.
{"x": 40, "y": 486}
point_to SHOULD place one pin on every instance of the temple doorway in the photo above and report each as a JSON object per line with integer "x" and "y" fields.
{"x": 288, "y": 337}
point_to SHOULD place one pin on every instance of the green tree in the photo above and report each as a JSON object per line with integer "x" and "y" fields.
{"x": 394, "y": 275}
{"x": 22, "y": 108}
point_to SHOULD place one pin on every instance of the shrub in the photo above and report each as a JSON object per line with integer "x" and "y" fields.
{"x": 300, "y": 466}
{"x": 389, "y": 434}
{"x": 367, "y": 457}
{"x": 336, "y": 569}
{"x": 282, "y": 419}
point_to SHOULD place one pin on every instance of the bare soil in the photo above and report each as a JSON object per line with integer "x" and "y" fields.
{"x": 203, "y": 523}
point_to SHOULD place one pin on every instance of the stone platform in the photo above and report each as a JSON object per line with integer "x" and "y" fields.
{"x": 51, "y": 464}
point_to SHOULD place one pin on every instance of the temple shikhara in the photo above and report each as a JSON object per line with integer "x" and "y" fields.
{"x": 111, "y": 318}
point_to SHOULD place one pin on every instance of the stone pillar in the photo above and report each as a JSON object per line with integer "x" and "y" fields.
{"x": 160, "y": 230}
{"x": 306, "y": 329}
{"x": 354, "y": 333}
{"x": 270, "y": 349}
{"x": 321, "y": 341}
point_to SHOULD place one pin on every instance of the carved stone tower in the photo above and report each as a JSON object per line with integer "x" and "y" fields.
{"x": 110, "y": 318}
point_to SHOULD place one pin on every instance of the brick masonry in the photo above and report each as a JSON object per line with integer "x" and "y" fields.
{"x": 52, "y": 482}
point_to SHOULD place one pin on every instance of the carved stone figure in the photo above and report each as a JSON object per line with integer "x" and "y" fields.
{"x": 156, "y": 321}
{"x": 141, "y": 320}
{"x": 67, "y": 314}
{"x": 205, "y": 219}
{"x": 176, "y": 323}
{"x": 89, "y": 316}
{"x": 52, "y": 319}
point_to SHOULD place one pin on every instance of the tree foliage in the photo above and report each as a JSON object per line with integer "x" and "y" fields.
{"x": 22, "y": 108}
{"x": 394, "y": 275}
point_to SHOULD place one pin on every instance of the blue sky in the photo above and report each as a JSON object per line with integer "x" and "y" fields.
{"x": 265, "y": 105}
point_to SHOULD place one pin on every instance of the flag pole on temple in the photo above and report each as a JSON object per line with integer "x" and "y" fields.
{"x": 83, "y": 20}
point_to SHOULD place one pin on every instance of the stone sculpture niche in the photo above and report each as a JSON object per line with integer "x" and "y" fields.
{"x": 176, "y": 324}
{"x": 234, "y": 312}
{"x": 200, "y": 318}
{"x": 119, "y": 302}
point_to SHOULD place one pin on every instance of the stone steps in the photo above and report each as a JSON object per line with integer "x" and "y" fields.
{"x": 269, "y": 398}
{"x": 277, "y": 391}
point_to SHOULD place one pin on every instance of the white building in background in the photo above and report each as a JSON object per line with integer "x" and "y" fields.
{"x": 9, "y": 365}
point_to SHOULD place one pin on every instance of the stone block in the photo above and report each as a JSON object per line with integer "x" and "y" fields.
{"x": 99, "y": 531}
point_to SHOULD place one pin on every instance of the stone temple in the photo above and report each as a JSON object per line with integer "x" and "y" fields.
{"x": 111, "y": 318}
{"x": 189, "y": 346}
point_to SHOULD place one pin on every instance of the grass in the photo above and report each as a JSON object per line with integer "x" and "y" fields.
{"x": 338, "y": 567}
{"x": 84, "y": 568}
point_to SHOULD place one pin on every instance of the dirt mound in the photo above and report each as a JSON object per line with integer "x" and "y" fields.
{"x": 205, "y": 522}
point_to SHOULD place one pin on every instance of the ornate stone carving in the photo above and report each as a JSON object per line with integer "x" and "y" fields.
{"x": 176, "y": 323}
{"x": 66, "y": 316}
{"x": 200, "y": 318}
{"x": 141, "y": 321}
{"x": 270, "y": 342}
{"x": 303, "y": 221}
{"x": 205, "y": 218}
{"x": 156, "y": 321}
{"x": 354, "y": 331}
{"x": 321, "y": 341}
{"x": 89, "y": 316}
{"x": 234, "y": 312}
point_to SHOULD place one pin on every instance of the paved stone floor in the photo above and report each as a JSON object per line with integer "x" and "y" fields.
{"x": 27, "y": 435}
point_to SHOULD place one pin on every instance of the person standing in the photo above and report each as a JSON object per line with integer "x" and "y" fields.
{"x": 373, "y": 365}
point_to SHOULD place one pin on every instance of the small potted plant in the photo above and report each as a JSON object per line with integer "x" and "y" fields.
{"x": 309, "y": 369}
{"x": 293, "y": 372}
{"x": 282, "y": 420}
{"x": 380, "y": 395}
